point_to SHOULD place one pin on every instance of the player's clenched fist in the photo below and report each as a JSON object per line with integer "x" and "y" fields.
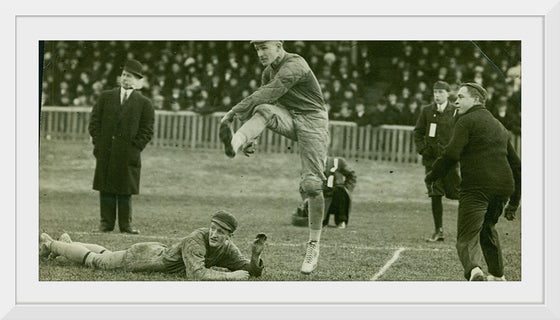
{"x": 239, "y": 275}
{"x": 249, "y": 148}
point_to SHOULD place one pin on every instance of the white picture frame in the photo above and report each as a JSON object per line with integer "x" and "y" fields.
{"x": 27, "y": 22}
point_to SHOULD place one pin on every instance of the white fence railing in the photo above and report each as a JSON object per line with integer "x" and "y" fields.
{"x": 186, "y": 129}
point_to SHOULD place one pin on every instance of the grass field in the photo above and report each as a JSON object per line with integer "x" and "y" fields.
{"x": 180, "y": 189}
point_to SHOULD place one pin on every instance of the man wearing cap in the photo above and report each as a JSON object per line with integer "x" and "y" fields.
{"x": 205, "y": 254}
{"x": 431, "y": 134}
{"x": 289, "y": 102}
{"x": 491, "y": 175}
{"x": 121, "y": 125}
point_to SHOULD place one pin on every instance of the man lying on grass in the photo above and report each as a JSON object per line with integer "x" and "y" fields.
{"x": 195, "y": 254}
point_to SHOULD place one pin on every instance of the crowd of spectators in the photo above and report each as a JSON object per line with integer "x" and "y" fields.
{"x": 367, "y": 82}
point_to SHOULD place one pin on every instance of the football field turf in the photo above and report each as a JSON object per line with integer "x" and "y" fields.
{"x": 180, "y": 189}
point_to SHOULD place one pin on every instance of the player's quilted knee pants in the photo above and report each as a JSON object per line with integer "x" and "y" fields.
{"x": 106, "y": 260}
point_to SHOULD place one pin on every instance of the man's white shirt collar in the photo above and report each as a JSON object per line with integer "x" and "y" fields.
{"x": 442, "y": 107}
{"x": 125, "y": 93}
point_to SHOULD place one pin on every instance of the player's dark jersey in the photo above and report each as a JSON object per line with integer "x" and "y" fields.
{"x": 288, "y": 82}
{"x": 194, "y": 255}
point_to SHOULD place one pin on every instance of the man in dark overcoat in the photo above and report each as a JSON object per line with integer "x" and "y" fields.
{"x": 490, "y": 177}
{"x": 432, "y": 132}
{"x": 121, "y": 125}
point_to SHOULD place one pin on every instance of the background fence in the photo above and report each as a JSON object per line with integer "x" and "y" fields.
{"x": 191, "y": 130}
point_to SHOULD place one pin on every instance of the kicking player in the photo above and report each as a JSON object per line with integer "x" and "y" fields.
{"x": 289, "y": 102}
{"x": 195, "y": 254}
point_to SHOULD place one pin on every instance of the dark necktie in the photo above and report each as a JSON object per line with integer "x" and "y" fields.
{"x": 124, "y": 98}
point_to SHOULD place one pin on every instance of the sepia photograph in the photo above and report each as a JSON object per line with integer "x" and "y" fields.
{"x": 346, "y": 160}
{"x": 327, "y": 164}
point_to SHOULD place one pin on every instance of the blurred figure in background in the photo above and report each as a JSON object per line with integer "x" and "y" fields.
{"x": 511, "y": 121}
{"x": 337, "y": 190}
{"x": 382, "y": 114}
{"x": 410, "y": 113}
{"x": 361, "y": 116}
{"x": 159, "y": 101}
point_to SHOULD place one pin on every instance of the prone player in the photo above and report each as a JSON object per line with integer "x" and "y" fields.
{"x": 195, "y": 254}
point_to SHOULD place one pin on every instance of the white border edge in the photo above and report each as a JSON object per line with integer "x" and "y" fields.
{"x": 552, "y": 291}
{"x": 7, "y": 132}
{"x": 551, "y": 159}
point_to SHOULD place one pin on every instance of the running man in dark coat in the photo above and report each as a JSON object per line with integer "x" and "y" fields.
{"x": 121, "y": 126}
{"x": 491, "y": 175}
{"x": 431, "y": 133}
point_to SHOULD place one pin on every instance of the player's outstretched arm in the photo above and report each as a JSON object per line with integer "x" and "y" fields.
{"x": 238, "y": 275}
{"x": 194, "y": 258}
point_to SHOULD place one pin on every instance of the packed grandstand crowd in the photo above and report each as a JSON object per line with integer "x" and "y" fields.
{"x": 367, "y": 82}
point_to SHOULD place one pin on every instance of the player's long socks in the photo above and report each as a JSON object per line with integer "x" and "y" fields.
{"x": 248, "y": 131}
{"x": 437, "y": 211}
{"x": 316, "y": 208}
{"x": 72, "y": 251}
{"x": 93, "y": 247}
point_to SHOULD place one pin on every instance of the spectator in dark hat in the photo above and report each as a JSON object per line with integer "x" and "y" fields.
{"x": 121, "y": 125}
{"x": 431, "y": 134}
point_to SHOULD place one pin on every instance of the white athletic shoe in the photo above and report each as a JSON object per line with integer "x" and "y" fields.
{"x": 44, "y": 242}
{"x": 311, "y": 257}
{"x": 477, "y": 275}
{"x": 65, "y": 237}
{"x": 494, "y": 278}
{"x": 341, "y": 225}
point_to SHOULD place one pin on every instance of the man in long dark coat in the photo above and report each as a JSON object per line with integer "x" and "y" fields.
{"x": 121, "y": 126}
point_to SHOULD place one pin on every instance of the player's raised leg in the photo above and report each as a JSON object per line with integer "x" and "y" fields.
{"x": 264, "y": 116}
